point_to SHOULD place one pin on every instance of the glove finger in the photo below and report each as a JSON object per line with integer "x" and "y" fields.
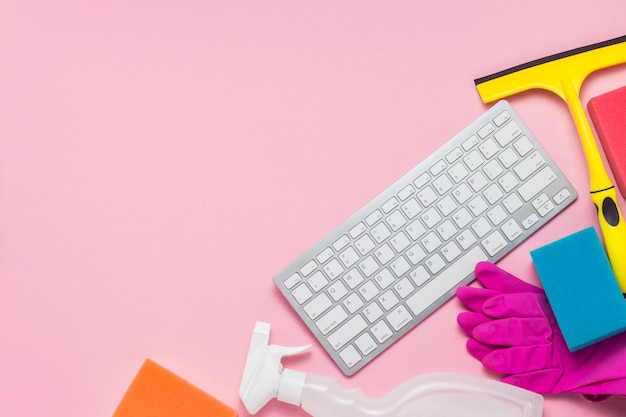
{"x": 498, "y": 279}
{"x": 517, "y": 360}
{"x": 541, "y": 382}
{"x": 473, "y": 298}
{"x": 478, "y": 350}
{"x": 524, "y": 304}
{"x": 467, "y": 321}
{"x": 514, "y": 332}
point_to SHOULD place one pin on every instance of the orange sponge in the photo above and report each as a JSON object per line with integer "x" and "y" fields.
{"x": 157, "y": 392}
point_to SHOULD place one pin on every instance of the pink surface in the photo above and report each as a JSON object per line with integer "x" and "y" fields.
{"x": 161, "y": 161}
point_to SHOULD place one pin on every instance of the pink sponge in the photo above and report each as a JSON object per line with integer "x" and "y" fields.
{"x": 608, "y": 113}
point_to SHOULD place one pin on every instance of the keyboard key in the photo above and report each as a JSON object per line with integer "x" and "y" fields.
{"x": 388, "y": 300}
{"x": 406, "y": 192}
{"x": 399, "y": 318}
{"x": 508, "y": 182}
{"x": 442, "y": 184}
{"x": 384, "y": 254}
{"x": 317, "y": 281}
{"x": 353, "y": 303}
{"x": 458, "y": 172}
{"x": 381, "y": 331}
{"x": 357, "y": 230}
{"x": 537, "y": 183}
{"x": 455, "y": 154}
{"x": 419, "y": 275}
{"x": 411, "y": 208}
{"x": 308, "y": 268}
{"x": 435, "y": 263}
{"x": 292, "y": 280}
{"x": 372, "y": 312}
{"x": 511, "y": 229}
{"x": 404, "y": 287}
{"x": 365, "y": 343}
{"x": 400, "y": 242}
{"x": 473, "y": 160}
{"x": 350, "y": 356}
{"x": 466, "y": 239}
{"x": 529, "y": 165}
{"x": 450, "y": 251}
{"x": 353, "y": 278}
{"x": 332, "y": 319}
{"x": 422, "y": 180}
{"x": 427, "y": 196}
{"x": 494, "y": 243}
{"x": 431, "y": 217}
{"x": 446, "y": 281}
{"x": 347, "y": 332}
{"x": 341, "y": 242}
{"x": 318, "y": 305}
{"x": 523, "y": 146}
{"x": 396, "y": 220}
{"x": 508, "y": 157}
{"x": 302, "y": 293}
{"x": 325, "y": 255}
{"x": 492, "y": 169}
{"x": 488, "y": 148}
{"x": 391, "y": 204}
{"x": 333, "y": 269}
{"x": 348, "y": 258}
{"x": 486, "y": 130}
{"x": 365, "y": 244}
{"x": 470, "y": 143}
{"x": 502, "y": 118}
{"x": 562, "y": 196}
{"x": 400, "y": 266}
{"x": 384, "y": 278}
{"x": 415, "y": 229}
{"x": 530, "y": 221}
{"x": 368, "y": 291}
{"x": 438, "y": 167}
{"x": 337, "y": 290}
{"x": 380, "y": 232}
{"x": 509, "y": 132}
{"x": 374, "y": 217}
{"x": 446, "y": 205}
{"x": 512, "y": 203}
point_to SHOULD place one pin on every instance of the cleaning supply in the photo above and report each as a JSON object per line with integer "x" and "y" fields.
{"x": 439, "y": 394}
{"x": 563, "y": 74}
{"x": 581, "y": 288}
{"x": 608, "y": 114}
{"x": 512, "y": 331}
{"x": 157, "y": 392}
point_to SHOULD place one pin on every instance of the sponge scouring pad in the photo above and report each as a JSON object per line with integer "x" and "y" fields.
{"x": 157, "y": 392}
{"x": 608, "y": 114}
{"x": 581, "y": 289}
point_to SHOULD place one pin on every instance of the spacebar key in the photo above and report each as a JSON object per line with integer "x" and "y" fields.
{"x": 445, "y": 281}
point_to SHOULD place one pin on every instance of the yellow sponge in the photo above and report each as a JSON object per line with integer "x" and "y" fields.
{"x": 157, "y": 392}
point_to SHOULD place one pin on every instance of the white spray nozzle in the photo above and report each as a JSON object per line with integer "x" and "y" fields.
{"x": 262, "y": 376}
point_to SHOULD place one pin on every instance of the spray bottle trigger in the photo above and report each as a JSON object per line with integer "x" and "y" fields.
{"x": 278, "y": 352}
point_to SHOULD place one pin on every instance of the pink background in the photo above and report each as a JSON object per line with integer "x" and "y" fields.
{"x": 161, "y": 160}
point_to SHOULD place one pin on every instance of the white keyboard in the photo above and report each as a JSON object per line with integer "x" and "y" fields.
{"x": 400, "y": 257}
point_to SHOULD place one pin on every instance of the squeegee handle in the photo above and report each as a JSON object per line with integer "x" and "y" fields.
{"x": 602, "y": 191}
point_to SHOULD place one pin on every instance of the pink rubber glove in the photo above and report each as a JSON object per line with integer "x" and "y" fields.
{"x": 513, "y": 331}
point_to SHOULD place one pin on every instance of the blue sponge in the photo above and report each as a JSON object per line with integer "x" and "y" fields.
{"x": 581, "y": 288}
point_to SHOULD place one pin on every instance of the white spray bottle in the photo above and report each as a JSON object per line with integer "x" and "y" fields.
{"x": 432, "y": 395}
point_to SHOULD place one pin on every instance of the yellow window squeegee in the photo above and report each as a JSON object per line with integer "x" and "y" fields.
{"x": 563, "y": 74}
